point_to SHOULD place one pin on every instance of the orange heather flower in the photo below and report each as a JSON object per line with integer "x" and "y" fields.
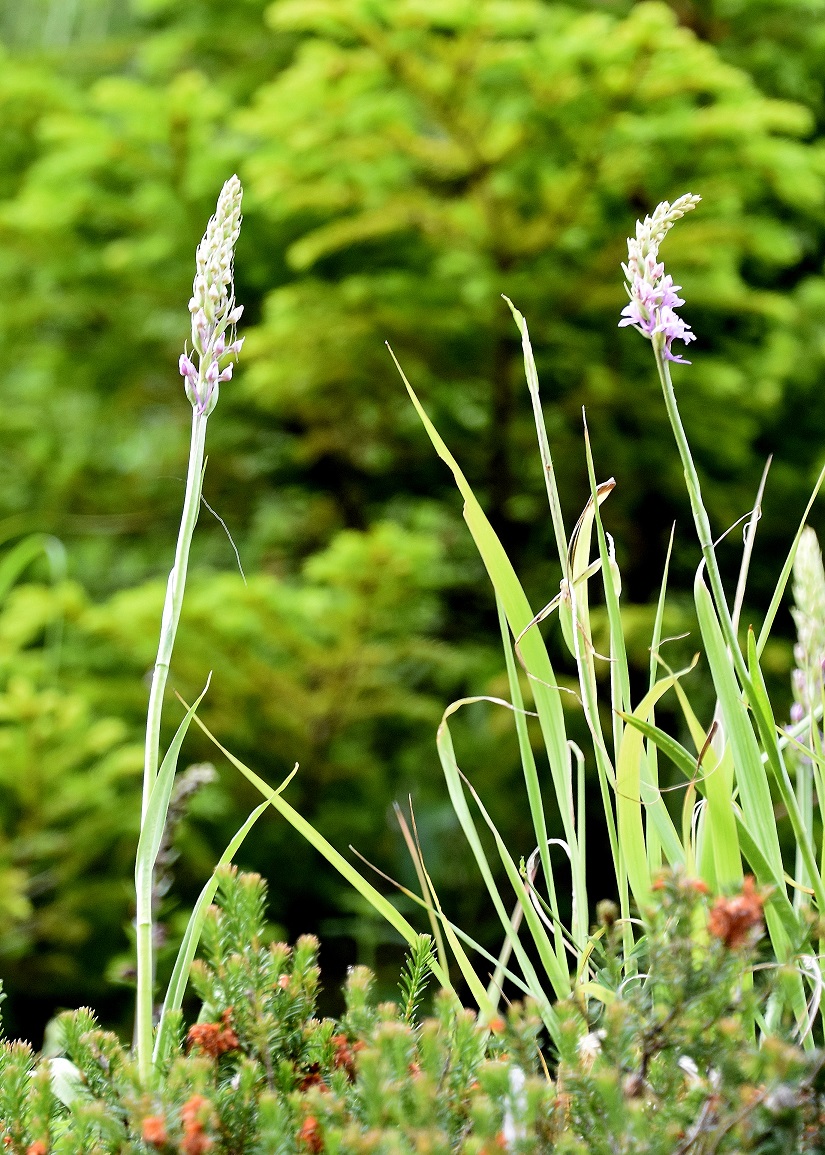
{"x": 195, "y": 1141}
{"x": 214, "y": 1039}
{"x": 310, "y": 1134}
{"x": 154, "y": 1131}
{"x": 38, "y": 1147}
{"x": 345, "y": 1054}
{"x": 733, "y": 919}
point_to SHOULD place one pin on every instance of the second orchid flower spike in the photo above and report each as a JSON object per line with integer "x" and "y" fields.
{"x": 653, "y": 295}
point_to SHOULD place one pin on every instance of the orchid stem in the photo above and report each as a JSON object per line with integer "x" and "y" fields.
{"x": 700, "y": 517}
{"x": 169, "y": 625}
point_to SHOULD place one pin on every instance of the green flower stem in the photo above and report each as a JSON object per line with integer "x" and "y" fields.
{"x": 172, "y": 605}
{"x": 700, "y": 516}
{"x": 169, "y": 625}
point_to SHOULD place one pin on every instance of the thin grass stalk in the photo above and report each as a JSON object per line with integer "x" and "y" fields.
{"x": 541, "y": 433}
{"x": 417, "y": 862}
{"x": 531, "y": 779}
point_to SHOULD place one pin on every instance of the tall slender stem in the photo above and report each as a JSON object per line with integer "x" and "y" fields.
{"x": 700, "y": 516}
{"x": 172, "y": 604}
{"x": 169, "y": 625}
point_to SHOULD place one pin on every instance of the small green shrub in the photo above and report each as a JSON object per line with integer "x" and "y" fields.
{"x": 666, "y": 1064}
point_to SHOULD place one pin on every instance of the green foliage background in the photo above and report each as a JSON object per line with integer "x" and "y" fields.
{"x": 405, "y": 162}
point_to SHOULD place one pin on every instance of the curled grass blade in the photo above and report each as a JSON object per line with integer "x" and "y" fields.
{"x": 619, "y": 673}
{"x": 747, "y": 552}
{"x": 559, "y": 978}
{"x": 556, "y": 972}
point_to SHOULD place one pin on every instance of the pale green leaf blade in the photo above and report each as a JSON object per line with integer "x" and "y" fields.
{"x": 189, "y": 944}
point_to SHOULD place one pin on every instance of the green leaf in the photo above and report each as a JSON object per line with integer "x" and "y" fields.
{"x": 555, "y": 969}
{"x": 154, "y": 820}
{"x": 314, "y": 838}
{"x": 754, "y": 791}
{"x": 189, "y": 944}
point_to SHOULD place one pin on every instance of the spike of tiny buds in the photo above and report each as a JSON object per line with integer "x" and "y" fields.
{"x": 212, "y": 305}
{"x": 214, "y": 315}
{"x": 809, "y": 617}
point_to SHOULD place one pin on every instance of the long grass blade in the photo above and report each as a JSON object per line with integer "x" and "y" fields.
{"x": 328, "y": 851}
{"x": 537, "y": 662}
{"x": 557, "y": 974}
{"x": 541, "y": 432}
{"x": 189, "y": 944}
{"x": 531, "y": 778}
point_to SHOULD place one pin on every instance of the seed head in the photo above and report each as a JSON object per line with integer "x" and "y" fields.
{"x": 809, "y": 616}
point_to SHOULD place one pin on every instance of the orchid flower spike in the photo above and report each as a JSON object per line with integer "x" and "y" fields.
{"x": 653, "y": 295}
{"x": 212, "y": 306}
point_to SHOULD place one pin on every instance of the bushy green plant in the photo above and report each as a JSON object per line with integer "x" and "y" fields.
{"x": 666, "y": 1066}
